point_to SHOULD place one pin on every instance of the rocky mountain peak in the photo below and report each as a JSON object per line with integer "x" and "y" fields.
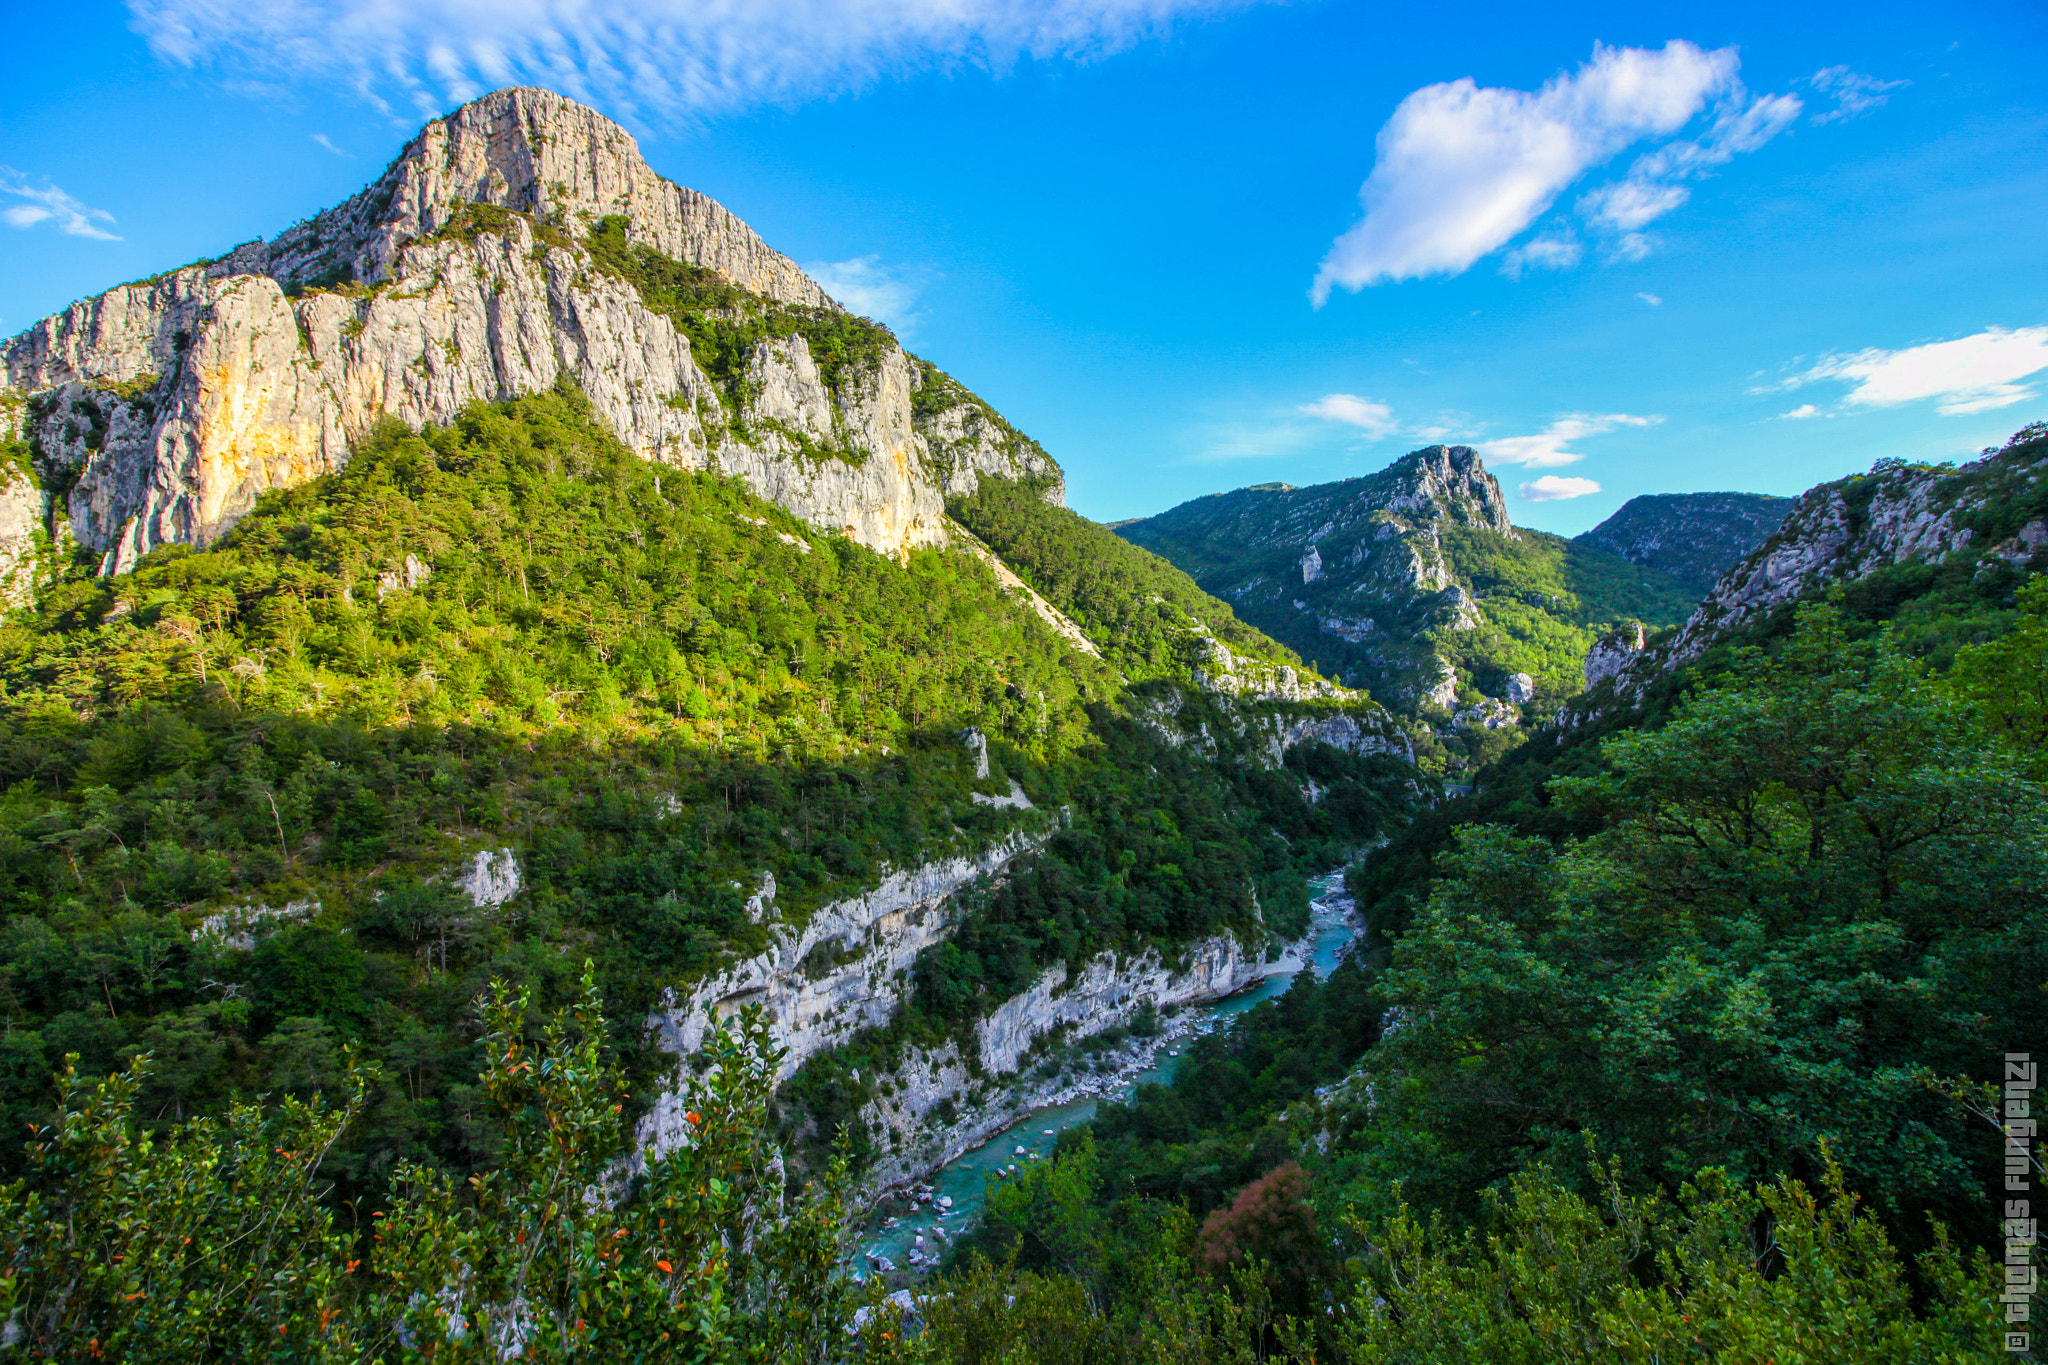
{"x": 1451, "y": 481}
{"x": 1410, "y": 581}
{"x": 517, "y": 244}
{"x": 534, "y": 152}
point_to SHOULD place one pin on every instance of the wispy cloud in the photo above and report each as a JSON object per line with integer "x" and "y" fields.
{"x": 1653, "y": 300}
{"x": 888, "y": 294}
{"x": 1461, "y": 169}
{"x": 1852, "y": 93}
{"x": 1551, "y": 251}
{"x": 45, "y": 203}
{"x": 1546, "y": 449}
{"x": 1800, "y": 413}
{"x": 643, "y": 58}
{"x": 1229, "y": 441}
{"x": 1374, "y": 419}
{"x": 1970, "y": 374}
{"x": 328, "y": 143}
{"x": 1556, "y": 488}
{"x": 1654, "y": 184}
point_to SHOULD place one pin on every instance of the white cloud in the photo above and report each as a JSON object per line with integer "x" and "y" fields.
{"x": 1632, "y": 204}
{"x": 1546, "y": 449}
{"x": 1462, "y": 169}
{"x": 1548, "y": 252}
{"x": 1374, "y": 419}
{"x": 1970, "y": 374}
{"x": 1853, "y": 93}
{"x": 48, "y": 204}
{"x": 1256, "y": 441}
{"x": 1632, "y": 246}
{"x": 1553, "y": 488}
{"x": 866, "y": 286}
{"x": 1653, "y": 300}
{"x": 1800, "y": 413}
{"x": 640, "y": 58}
{"x": 1650, "y": 190}
{"x": 324, "y": 141}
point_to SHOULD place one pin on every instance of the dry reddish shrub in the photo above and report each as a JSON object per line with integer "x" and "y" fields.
{"x": 1271, "y": 1219}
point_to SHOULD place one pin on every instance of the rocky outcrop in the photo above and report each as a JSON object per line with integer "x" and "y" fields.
{"x": 1838, "y": 532}
{"x": 160, "y": 410}
{"x": 1224, "y": 672}
{"x": 1110, "y": 991}
{"x": 1613, "y": 652}
{"x": 491, "y": 879}
{"x": 940, "y": 1101}
{"x": 1693, "y": 537}
{"x": 824, "y": 980}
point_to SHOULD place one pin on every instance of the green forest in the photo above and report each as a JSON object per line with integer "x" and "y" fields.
{"x": 239, "y": 780}
{"x": 1672, "y": 1042}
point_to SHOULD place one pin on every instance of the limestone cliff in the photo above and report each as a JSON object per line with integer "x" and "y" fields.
{"x": 157, "y": 412}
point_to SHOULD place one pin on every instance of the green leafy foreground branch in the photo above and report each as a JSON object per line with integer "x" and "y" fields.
{"x": 213, "y": 1242}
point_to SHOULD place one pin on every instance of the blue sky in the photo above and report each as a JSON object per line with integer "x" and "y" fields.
{"x": 1632, "y": 248}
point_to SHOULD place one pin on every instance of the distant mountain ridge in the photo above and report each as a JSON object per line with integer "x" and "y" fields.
{"x": 1903, "y": 531}
{"x": 1694, "y": 537}
{"x": 1414, "y": 583}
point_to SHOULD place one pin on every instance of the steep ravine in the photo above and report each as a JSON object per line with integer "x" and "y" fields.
{"x": 915, "y": 1216}
{"x": 846, "y": 968}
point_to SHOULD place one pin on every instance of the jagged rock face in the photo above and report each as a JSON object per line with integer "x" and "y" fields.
{"x": 1842, "y": 531}
{"x": 535, "y": 152}
{"x": 1109, "y": 991}
{"x": 839, "y": 972}
{"x": 1362, "y": 562}
{"x": 1694, "y": 537}
{"x": 160, "y": 410}
{"x": 1613, "y": 652}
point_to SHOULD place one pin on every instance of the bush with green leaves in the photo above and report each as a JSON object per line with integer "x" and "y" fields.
{"x": 1816, "y": 885}
{"x": 213, "y": 1240}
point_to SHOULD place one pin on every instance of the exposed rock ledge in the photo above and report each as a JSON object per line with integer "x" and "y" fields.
{"x": 1105, "y": 996}
{"x": 820, "y": 984}
{"x": 1109, "y": 991}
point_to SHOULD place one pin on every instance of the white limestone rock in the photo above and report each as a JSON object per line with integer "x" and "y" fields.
{"x": 1613, "y": 652}
{"x": 245, "y": 374}
{"x": 491, "y": 879}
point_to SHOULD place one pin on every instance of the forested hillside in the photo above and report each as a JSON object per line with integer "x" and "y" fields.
{"x": 249, "y": 786}
{"x": 1743, "y": 960}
